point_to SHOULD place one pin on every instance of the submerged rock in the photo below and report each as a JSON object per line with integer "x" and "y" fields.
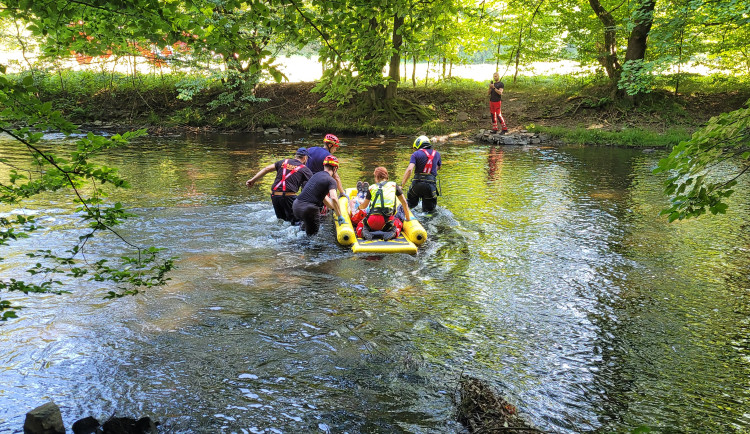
{"x": 481, "y": 409}
{"x": 45, "y": 419}
{"x": 87, "y": 425}
{"x": 127, "y": 425}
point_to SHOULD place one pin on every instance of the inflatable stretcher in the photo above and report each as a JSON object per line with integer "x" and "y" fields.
{"x": 412, "y": 235}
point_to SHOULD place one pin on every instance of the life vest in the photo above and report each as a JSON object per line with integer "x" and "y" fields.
{"x": 287, "y": 172}
{"x": 428, "y": 166}
{"x": 383, "y": 198}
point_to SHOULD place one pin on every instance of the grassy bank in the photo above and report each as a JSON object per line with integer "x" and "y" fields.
{"x": 573, "y": 108}
{"x": 635, "y": 136}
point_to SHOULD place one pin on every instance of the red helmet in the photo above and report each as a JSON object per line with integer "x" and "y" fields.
{"x": 331, "y": 161}
{"x": 331, "y": 139}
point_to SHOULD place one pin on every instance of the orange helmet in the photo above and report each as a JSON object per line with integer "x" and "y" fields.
{"x": 331, "y": 161}
{"x": 331, "y": 140}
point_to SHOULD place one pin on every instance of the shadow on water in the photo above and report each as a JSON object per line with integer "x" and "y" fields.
{"x": 547, "y": 273}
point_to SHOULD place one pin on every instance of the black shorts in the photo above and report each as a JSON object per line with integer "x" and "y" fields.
{"x": 282, "y": 205}
{"x": 426, "y": 191}
{"x": 309, "y": 213}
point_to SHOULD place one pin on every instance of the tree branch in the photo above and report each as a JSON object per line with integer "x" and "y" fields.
{"x": 742, "y": 172}
{"x": 67, "y": 174}
{"x": 309, "y": 21}
{"x": 617, "y": 7}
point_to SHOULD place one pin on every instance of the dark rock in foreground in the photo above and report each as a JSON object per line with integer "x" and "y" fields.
{"x": 87, "y": 425}
{"x": 126, "y": 425}
{"x": 45, "y": 419}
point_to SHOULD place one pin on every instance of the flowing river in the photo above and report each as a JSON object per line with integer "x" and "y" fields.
{"x": 548, "y": 273}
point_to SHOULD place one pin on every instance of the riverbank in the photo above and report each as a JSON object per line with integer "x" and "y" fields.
{"x": 571, "y": 109}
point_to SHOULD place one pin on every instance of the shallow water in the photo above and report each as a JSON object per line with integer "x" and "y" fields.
{"x": 547, "y": 273}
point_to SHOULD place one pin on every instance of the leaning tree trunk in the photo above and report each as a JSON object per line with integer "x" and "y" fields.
{"x": 520, "y": 38}
{"x": 518, "y": 54}
{"x": 639, "y": 36}
{"x": 393, "y": 72}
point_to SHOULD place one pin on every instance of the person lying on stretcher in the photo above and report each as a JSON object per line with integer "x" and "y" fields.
{"x": 374, "y": 213}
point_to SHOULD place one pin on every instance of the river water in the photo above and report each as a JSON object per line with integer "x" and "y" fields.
{"x": 548, "y": 273}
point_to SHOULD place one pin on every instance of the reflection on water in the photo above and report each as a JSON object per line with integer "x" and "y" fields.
{"x": 547, "y": 273}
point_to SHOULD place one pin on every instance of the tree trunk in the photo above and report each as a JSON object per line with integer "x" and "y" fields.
{"x": 608, "y": 53}
{"x": 679, "y": 63}
{"x": 520, "y": 38}
{"x": 497, "y": 59}
{"x": 639, "y": 36}
{"x": 518, "y": 54}
{"x": 414, "y": 72}
{"x": 427, "y": 74}
{"x": 393, "y": 68}
{"x": 444, "y": 64}
{"x": 406, "y": 64}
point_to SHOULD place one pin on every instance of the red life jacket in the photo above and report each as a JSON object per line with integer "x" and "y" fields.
{"x": 428, "y": 167}
{"x": 286, "y": 174}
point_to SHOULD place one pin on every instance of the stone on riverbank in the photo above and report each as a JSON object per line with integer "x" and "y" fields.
{"x": 45, "y": 419}
{"x": 521, "y": 138}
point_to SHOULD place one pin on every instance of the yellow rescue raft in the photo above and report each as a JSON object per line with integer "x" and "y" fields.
{"x": 412, "y": 234}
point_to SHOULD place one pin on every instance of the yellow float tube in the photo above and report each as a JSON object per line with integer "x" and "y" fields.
{"x": 344, "y": 232}
{"x": 414, "y": 231}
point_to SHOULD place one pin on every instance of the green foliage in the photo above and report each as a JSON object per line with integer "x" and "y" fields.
{"x": 190, "y": 86}
{"x": 238, "y": 94}
{"x": 338, "y": 86}
{"x": 636, "y": 78}
{"x": 22, "y": 117}
{"x": 189, "y": 116}
{"x": 704, "y": 84}
{"x": 694, "y": 183}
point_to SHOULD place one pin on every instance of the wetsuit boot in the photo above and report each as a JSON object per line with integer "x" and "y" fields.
{"x": 390, "y": 234}
{"x": 366, "y": 233}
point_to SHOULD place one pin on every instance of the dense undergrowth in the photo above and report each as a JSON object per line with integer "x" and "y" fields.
{"x": 575, "y": 108}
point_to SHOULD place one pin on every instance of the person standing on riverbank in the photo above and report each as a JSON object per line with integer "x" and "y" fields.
{"x": 319, "y": 190}
{"x": 319, "y": 153}
{"x": 291, "y": 174}
{"x": 426, "y": 161}
{"x": 496, "y": 100}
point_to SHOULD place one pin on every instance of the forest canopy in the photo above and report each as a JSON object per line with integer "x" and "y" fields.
{"x": 363, "y": 43}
